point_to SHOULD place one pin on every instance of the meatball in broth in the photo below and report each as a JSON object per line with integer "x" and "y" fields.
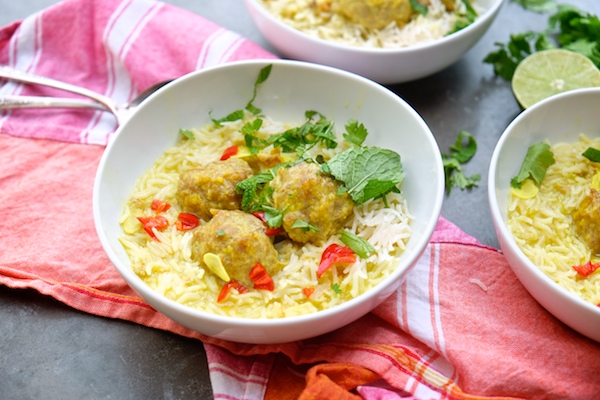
{"x": 240, "y": 241}
{"x": 312, "y": 197}
{"x": 212, "y": 187}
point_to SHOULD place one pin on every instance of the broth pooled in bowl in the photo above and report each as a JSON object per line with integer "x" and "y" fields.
{"x": 257, "y": 218}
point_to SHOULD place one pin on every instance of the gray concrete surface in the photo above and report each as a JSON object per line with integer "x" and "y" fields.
{"x": 50, "y": 351}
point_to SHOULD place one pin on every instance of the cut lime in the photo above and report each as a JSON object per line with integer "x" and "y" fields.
{"x": 549, "y": 72}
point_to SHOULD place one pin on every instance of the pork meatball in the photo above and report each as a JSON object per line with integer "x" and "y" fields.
{"x": 376, "y": 14}
{"x": 240, "y": 241}
{"x": 586, "y": 220}
{"x": 308, "y": 195}
{"x": 212, "y": 186}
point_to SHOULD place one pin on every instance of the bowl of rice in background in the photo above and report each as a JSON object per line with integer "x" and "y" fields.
{"x": 175, "y": 130}
{"x": 409, "y": 47}
{"x": 547, "y": 230}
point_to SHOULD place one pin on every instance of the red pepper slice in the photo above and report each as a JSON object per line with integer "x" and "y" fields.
{"x": 231, "y": 285}
{"x": 270, "y": 230}
{"x": 335, "y": 254}
{"x": 229, "y": 152}
{"x": 308, "y": 291}
{"x": 159, "y": 206}
{"x": 158, "y": 222}
{"x": 586, "y": 269}
{"x": 186, "y": 222}
{"x": 260, "y": 277}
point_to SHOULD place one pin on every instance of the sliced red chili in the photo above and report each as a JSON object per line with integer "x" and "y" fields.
{"x": 159, "y": 206}
{"x": 159, "y": 222}
{"x": 270, "y": 230}
{"x": 335, "y": 254}
{"x": 231, "y": 285}
{"x": 260, "y": 277}
{"x": 308, "y": 291}
{"x": 229, "y": 152}
{"x": 586, "y": 269}
{"x": 187, "y": 221}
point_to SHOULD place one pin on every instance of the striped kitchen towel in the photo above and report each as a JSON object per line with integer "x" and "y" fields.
{"x": 460, "y": 327}
{"x": 117, "y": 48}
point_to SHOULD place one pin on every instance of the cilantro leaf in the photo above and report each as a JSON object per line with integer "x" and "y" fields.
{"x": 336, "y": 288}
{"x": 452, "y": 161}
{"x": 252, "y": 187}
{"x": 356, "y": 133}
{"x": 273, "y": 216}
{"x": 358, "y": 244}
{"x": 317, "y": 129}
{"x": 537, "y": 160}
{"x": 366, "y": 172}
{"x": 233, "y": 116}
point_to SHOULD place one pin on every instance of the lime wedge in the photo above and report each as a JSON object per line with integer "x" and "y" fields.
{"x": 549, "y": 72}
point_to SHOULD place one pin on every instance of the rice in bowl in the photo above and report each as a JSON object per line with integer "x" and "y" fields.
{"x": 166, "y": 264}
{"x": 543, "y": 226}
{"x": 326, "y": 19}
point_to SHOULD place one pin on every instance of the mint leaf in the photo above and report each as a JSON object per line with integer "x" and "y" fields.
{"x": 358, "y": 244}
{"x": 366, "y": 172}
{"x": 537, "y": 160}
{"x": 305, "y": 226}
{"x": 262, "y": 77}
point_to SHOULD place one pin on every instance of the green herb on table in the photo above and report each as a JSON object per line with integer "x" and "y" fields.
{"x": 458, "y": 155}
{"x": 537, "y": 160}
{"x": 537, "y": 5}
{"x": 568, "y": 28}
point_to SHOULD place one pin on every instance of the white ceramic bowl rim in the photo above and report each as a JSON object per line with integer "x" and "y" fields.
{"x": 497, "y": 214}
{"x": 481, "y": 19}
{"x": 146, "y": 292}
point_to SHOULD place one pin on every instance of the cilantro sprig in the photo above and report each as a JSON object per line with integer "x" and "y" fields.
{"x": 568, "y": 28}
{"x": 537, "y": 160}
{"x": 460, "y": 154}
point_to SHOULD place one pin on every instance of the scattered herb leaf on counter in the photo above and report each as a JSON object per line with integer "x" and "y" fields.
{"x": 366, "y": 172}
{"x": 453, "y": 161}
{"x": 568, "y": 28}
{"x": 537, "y": 5}
{"x": 537, "y": 160}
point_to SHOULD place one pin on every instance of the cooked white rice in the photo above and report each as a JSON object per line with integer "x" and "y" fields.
{"x": 320, "y": 19}
{"x": 167, "y": 267}
{"x": 543, "y": 228}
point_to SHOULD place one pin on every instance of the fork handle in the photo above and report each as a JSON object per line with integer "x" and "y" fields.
{"x": 11, "y": 102}
{"x": 25, "y": 77}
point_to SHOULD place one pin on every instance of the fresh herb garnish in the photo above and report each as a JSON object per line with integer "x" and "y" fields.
{"x": 273, "y": 216}
{"x": 239, "y": 114}
{"x": 253, "y": 190}
{"x": 592, "y": 154}
{"x": 336, "y": 288}
{"x": 537, "y": 160}
{"x": 356, "y": 133}
{"x": 366, "y": 172}
{"x": 316, "y": 130}
{"x": 187, "y": 134}
{"x": 358, "y": 244}
{"x": 305, "y": 226}
{"x": 454, "y": 159}
{"x": 568, "y": 28}
{"x": 418, "y": 7}
{"x": 467, "y": 19}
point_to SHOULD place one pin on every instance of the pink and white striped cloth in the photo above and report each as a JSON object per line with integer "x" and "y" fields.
{"x": 460, "y": 327}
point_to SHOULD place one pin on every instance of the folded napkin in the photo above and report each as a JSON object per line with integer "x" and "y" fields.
{"x": 460, "y": 327}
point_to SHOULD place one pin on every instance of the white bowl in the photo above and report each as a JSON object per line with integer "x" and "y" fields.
{"x": 291, "y": 89}
{"x": 386, "y": 66}
{"x": 560, "y": 118}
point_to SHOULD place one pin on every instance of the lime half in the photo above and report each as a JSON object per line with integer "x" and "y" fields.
{"x": 549, "y": 72}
